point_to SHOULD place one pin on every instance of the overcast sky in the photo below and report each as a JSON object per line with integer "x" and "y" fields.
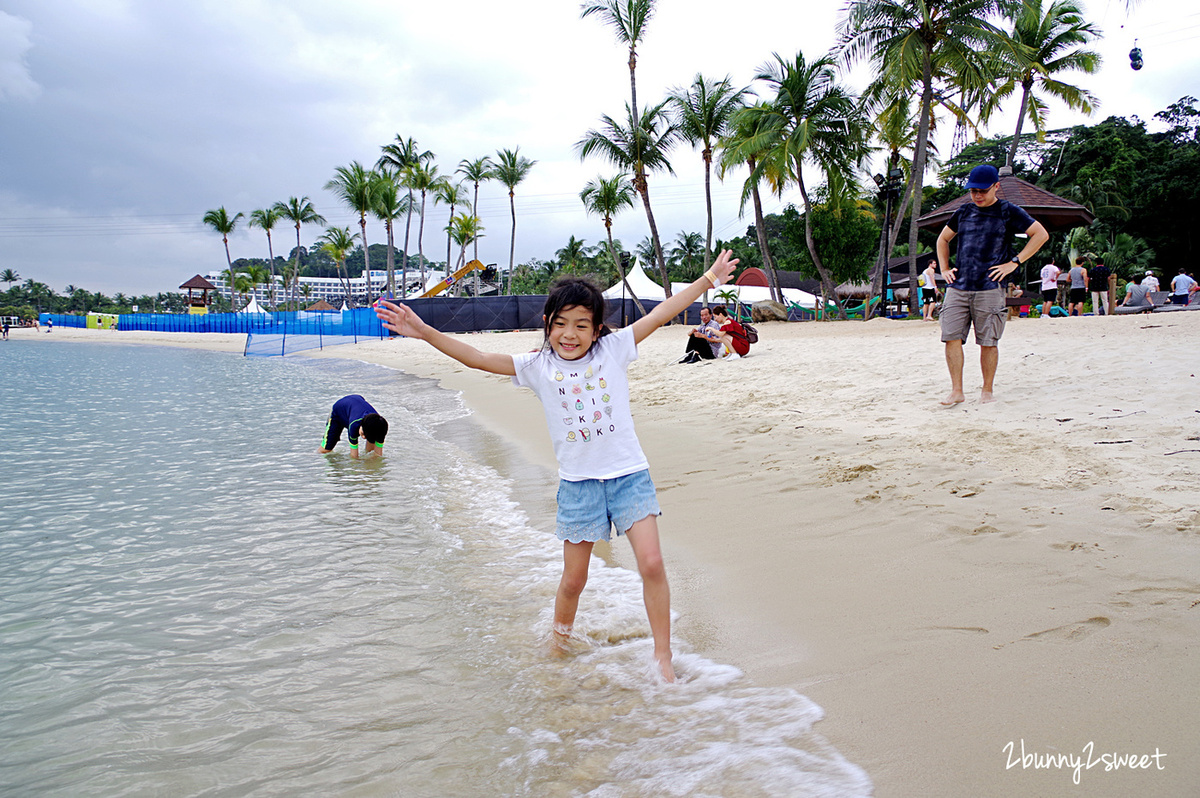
{"x": 123, "y": 121}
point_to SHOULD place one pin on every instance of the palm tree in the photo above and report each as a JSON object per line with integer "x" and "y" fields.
{"x": 702, "y": 115}
{"x": 606, "y": 197}
{"x": 390, "y": 205}
{"x": 401, "y": 156}
{"x": 511, "y": 169}
{"x": 298, "y": 211}
{"x": 811, "y": 118}
{"x": 237, "y": 284}
{"x": 355, "y": 186}
{"x": 337, "y": 243}
{"x": 266, "y": 219}
{"x": 476, "y": 172}
{"x": 749, "y": 143}
{"x": 1042, "y": 43}
{"x": 220, "y": 221}
{"x": 452, "y": 194}
{"x": 686, "y": 251}
{"x": 9, "y": 276}
{"x": 422, "y": 177}
{"x": 464, "y": 229}
{"x": 258, "y": 275}
{"x": 572, "y": 254}
{"x": 628, "y": 18}
{"x": 914, "y": 43}
{"x": 640, "y": 145}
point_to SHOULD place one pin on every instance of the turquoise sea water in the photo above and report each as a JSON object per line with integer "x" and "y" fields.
{"x": 193, "y": 602}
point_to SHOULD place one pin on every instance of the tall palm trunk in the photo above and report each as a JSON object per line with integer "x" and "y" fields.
{"x": 271, "y": 265}
{"x": 391, "y": 259}
{"x": 760, "y": 230}
{"x": 1026, "y": 88}
{"x": 421, "y": 242}
{"x": 827, "y": 287}
{"x": 643, "y": 188}
{"x": 707, "y": 155}
{"x": 512, "y": 243}
{"x": 362, "y": 222}
{"x": 296, "y": 267}
{"x": 918, "y": 179}
{"x": 449, "y": 268}
{"x": 404, "y": 265}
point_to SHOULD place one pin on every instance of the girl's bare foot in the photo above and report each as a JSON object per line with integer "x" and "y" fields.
{"x": 665, "y": 667}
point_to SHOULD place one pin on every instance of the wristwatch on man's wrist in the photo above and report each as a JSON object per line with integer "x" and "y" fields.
{"x": 1017, "y": 259}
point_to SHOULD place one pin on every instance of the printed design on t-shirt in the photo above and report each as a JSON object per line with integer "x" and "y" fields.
{"x": 579, "y": 390}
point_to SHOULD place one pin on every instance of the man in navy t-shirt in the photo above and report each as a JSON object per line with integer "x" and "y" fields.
{"x": 353, "y": 414}
{"x": 985, "y": 227}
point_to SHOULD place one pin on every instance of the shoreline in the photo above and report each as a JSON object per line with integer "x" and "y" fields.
{"x": 941, "y": 581}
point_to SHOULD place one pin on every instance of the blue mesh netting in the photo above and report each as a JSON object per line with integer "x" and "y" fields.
{"x": 272, "y": 334}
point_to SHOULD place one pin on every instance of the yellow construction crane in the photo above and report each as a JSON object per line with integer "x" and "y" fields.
{"x": 452, "y": 279}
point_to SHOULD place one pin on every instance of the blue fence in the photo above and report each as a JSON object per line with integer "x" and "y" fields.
{"x": 62, "y": 319}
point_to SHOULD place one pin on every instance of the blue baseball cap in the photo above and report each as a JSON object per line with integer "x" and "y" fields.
{"x": 983, "y": 177}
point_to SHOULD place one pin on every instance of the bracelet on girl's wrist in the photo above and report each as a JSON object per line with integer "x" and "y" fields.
{"x": 712, "y": 278}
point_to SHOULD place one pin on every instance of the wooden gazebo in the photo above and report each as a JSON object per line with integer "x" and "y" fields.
{"x": 198, "y": 304}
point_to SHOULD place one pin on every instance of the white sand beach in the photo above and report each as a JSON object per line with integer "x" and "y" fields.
{"x": 954, "y": 586}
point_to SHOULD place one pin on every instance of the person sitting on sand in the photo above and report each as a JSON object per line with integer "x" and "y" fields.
{"x": 1137, "y": 295}
{"x": 974, "y": 286}
{"x": 704, "y": 342}
{"x": 355, "y": 415}
{"x": 733, "y": 334}
{"x": 580, "y": 374}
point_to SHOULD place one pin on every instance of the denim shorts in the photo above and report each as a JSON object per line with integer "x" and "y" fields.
{"x": 589, "y": 508}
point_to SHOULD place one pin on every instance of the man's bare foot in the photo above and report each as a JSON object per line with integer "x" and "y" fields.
{"x": 954, "y": 398}
{"x": 665, "y": 667}
{"x": 985, "y": 397}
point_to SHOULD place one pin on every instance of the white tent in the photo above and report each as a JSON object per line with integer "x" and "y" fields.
{"x": 646, "y": 288}
{"x": 253, "y": 307}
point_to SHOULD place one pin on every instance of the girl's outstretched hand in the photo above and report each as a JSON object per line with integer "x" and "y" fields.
{"x": 724, "y": 266}
{"x": 399, "y": 319}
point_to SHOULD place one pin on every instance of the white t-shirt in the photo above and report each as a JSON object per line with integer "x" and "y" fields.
{"x": 586, "y": 402}
{"x": 1150, "y": 283}
{"x": 1050, "y": 274}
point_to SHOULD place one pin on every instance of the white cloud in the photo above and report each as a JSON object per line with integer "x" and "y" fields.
{"x": 15, "y": 81}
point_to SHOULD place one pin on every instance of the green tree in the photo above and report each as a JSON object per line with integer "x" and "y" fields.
{"x": 220, "y": 220}
{"x": 628, "y": 19}
{"x": 401, "y": 156}
{"x": 464, "y": 229}
{"x": 298, "y": 211}
{"x": 812, "y": 119}
{"x": 606, "y": 197}
{"x": 476, "y": 171}
{"x": 337, "y": 243}
{"x": 687, "y": 252}
{"x": 355, "y": 186}
{"x": 422, "y": 177}
{"x": 1043, "y": 42}
{"x": 511, "y": 168}
{"x": 920, "y": 43}
{"x": 389, "y": 205}
{"x": 9, "y": 276}
{"x": 703, "y": 113}
{"x": 453, "y": 195}
{"x": 266, "y": 219}
{"x": 750, "y": 142}
{"x": 638, "y": 145}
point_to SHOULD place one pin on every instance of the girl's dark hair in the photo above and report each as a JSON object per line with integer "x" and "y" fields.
{"x": 570, "y": 292}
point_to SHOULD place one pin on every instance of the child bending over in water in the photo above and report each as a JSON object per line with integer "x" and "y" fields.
{"x": 579, "y": 374}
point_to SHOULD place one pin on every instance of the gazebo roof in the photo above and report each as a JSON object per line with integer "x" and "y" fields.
{"x": 1054, "y": 212}
{"x": 320, "y": 304}
{"x": 199, "y": 282}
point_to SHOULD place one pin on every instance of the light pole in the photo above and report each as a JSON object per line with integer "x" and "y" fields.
{"x": 889, "y": 189}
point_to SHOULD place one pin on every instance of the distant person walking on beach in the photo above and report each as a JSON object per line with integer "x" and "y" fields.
{"x": 49, "y": 325}
{"x": 1050, "y": 274}
{"x": 1098, "y": 279}
{"x": 974, "y": 286}
{"x": 355, "y": 415}
{"x": 6, "y": 329}
{"x": 580, "y": 376}
{"x": 1079, "y": 280}
{"x": 1181, "y": 286}
{"x": 929, "y": 291}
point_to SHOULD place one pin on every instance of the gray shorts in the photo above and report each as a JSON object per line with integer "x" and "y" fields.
{"x": 985, "y": 309}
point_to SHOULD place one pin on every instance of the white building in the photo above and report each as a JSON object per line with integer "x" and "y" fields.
{"x": 332, "y": 289}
